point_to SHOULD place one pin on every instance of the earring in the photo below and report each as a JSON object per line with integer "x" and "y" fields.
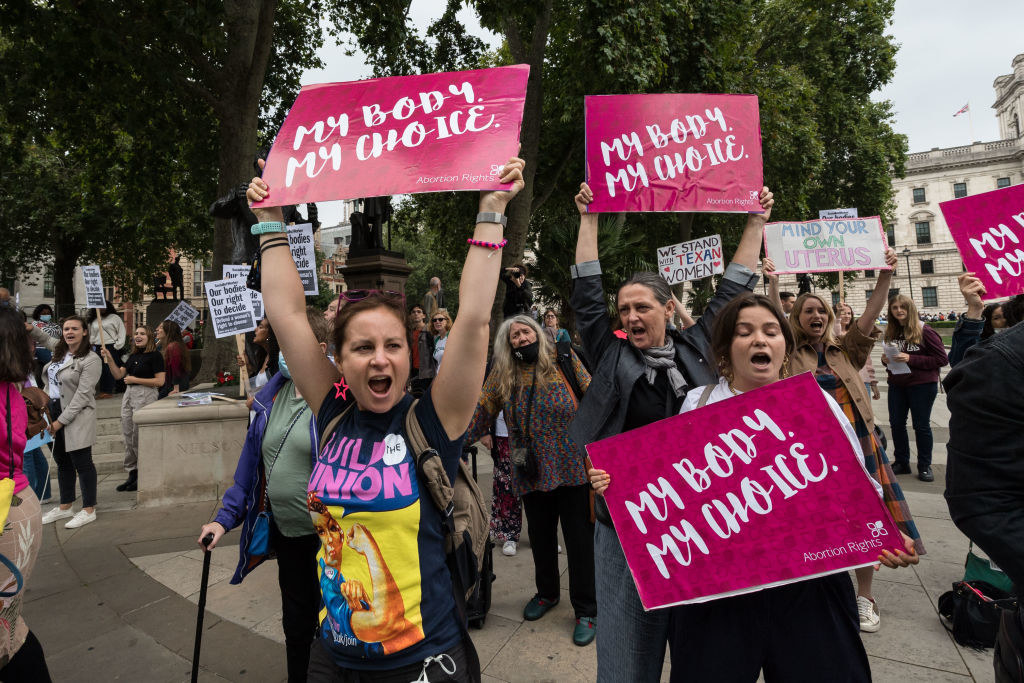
{"x": 785, "y": 367}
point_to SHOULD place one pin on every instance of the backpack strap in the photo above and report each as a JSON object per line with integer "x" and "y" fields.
{"x": 329, "y": 427}
{"x": 705, "y": 395}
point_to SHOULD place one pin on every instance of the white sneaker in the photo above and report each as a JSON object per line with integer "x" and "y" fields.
{"x": 509, "y": 548}
{"x": 81, "y": 519}
{"x": 56, "y": 513}
{"x": 867, "y": 609}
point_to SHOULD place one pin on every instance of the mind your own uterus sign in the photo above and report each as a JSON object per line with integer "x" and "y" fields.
{"x": 406, "y": 134}
{"x": 824, "y": 246}
{"x": 759, "y": 490}
{"x": 673, "y": 152}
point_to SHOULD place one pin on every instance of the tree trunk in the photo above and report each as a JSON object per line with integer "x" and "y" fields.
{"x": 65, "y": 258}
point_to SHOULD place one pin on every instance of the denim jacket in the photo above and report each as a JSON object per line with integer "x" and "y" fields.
{"x": 244, "y": 500}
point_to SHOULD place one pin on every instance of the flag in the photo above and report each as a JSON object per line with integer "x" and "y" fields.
{"x": 963, "y": 110}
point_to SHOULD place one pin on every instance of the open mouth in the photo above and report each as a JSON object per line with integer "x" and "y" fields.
{"x": 761, "y": 361}
{"x": 637, "y": 331}
{"x": 817, "y": 326}
{"x": 380, "y": 385}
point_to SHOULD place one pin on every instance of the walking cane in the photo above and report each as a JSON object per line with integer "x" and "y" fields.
{"x": 207, "y": 540}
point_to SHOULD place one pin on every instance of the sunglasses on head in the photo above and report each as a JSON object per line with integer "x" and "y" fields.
{"x": 353, "y": 295}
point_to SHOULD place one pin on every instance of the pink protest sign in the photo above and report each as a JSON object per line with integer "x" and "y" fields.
{"x": 988, "y": 229}
{"x": 756, "y": 491}
{"x": 407, "y": 134}
{"x": 694, "y": 152}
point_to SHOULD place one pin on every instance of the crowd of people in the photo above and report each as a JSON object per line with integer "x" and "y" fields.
{"x": 329, "y": 483}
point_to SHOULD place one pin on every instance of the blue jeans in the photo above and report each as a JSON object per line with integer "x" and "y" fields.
{"x": 630, "y": 642}
{"x": 37, "y": 471}
{"x": 917, "y": 399}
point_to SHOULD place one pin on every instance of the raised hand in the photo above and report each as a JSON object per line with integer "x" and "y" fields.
{"x": 257, "y": 192}
{"x": 583, "y": 198}
{"x": 497, "y": 200}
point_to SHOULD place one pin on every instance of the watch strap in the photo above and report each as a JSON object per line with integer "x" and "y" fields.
{"x": 491, "y": 217}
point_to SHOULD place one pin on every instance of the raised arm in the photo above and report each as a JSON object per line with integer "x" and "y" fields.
{"x": 586, "y": 241}
{"x": 285, "y": 304}
{"x": 879, "y": 297}
{"x": 749, "y": 248}
{"x": 457, "y": 386}
{"x": 587, "y": 297}
{"x": 768, "y": 268}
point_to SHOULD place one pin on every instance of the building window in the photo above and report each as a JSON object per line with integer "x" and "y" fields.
{"x": 890, "y": 234}
{"x": 927, "y": 267}
{"x": 1002, "y": 182}
{"x": 959, "y": 190}
{"x": 48, "y": 282}
{"x": 893, "y": 291}
{"x": 919, "y": 197}
{"x": 835, "y": 297}
{"x": 930, "y": 297}
{"x": 869, "y": 273}
{"x": 868, "y": 293}
{"x": 924, "y": 232}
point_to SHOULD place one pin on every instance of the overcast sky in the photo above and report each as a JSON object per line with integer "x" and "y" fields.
{"x": 950, "y": 53}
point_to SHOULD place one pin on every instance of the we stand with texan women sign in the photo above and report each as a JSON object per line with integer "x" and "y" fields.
{"x": 988, "y": 229}
{"x": 691, "y": 260}
{"x": 760, "y": 490}
{"x": 824, "y": 246}
{"x": 695, "y": 152}
{"x": 405, "y": 134}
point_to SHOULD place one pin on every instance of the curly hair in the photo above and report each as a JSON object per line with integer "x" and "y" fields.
{"x": 506, "y": 366}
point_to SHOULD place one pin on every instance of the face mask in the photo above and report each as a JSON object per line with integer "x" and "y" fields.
{"x": 999, "y": 329}
{"x": 528, "y": 353}
{"x": 282, "y": 366}
{"x": 45, "y": 318}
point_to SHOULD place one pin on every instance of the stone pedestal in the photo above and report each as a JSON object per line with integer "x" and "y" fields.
{"x": 188, "y": 454}
{"x": 376, "y": 269}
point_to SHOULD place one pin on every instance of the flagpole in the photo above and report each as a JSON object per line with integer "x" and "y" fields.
{"x": 970, "y": 121}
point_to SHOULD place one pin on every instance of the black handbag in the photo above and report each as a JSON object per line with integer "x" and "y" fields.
{"x": 972, "y": 612}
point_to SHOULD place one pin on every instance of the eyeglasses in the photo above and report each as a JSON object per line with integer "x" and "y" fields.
{"x": 353, "y": 295}
{"x": 439, "y": 320}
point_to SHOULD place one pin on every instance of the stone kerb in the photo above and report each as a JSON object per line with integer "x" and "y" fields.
{"x": 188, "y": 454}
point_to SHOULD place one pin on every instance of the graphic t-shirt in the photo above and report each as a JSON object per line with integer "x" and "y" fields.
{"x": 386, "y": 590}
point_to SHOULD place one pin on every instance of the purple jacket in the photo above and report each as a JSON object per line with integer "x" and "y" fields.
{"x": 244, "y": 500}
{"x": 925, "y": 359}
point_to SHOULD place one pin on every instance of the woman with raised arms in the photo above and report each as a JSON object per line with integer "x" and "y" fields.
{"x": 365, "y": 473}
{"x": 637, "y": 380}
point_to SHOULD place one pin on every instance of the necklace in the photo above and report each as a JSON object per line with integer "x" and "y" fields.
{"x": 732, "y": 389}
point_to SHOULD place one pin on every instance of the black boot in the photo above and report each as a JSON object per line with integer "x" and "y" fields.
{"x": 132, "y": 484}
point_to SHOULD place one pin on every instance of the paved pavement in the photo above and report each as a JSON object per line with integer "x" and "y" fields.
{"x": 115, "y": 601}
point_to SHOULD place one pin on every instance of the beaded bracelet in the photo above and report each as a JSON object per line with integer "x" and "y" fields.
{"x": 490, "y": 245}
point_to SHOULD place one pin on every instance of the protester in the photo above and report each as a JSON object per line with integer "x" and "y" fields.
{"x": 42, "y": 317}
{"x": 260, "y": 358}
{"x": 415, "y": 324}
{"x": 114, "y": 336}
{"x": 518, "y": 292}
{"x": 332, "y": 311}
{"x": 506, "y": 506}
{"x": 405, "y": 623}
{"x": 278, "y": 457}
{"x": 5, "y": 298}
{"x": 539, "y": 401}
{"x": 434, "y": 298}
{"x": 921, "y": 348}
{"x": 427, "y": 368}
{"x": 21, "y": 655}
{"x": 70, "y": 379}
{"x": 979, "y": 322}
{"x": 867, "y": 372}
{"x": 177, "y": 363}
{"x": 552, "y": 330}
{"x": 793, "y": 632}
{"x": 143, "y": 375}
{"x": 638, "y": 380}
{"x": 985, "y": 461}
{"x": 788, "y": 300}
{"x": 440, "y": 324}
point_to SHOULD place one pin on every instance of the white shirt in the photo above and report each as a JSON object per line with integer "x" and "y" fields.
{"x": 722, "y": 392}
{"x": 439, "y": 349}
{"x": 500, "y": 428}
{"x": 51, "y": 374}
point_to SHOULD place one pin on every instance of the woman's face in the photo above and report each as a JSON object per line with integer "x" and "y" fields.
{"x": 845, "y": 315}
{"x": 642, "y": 317}
{"x": 550, "y": 319}
{"x": 73, "y": 334}
{"x": 998, "y": 321}
{"x": 375, "y": 359}
{"x": 160, "y": 334}
{"x": 439, "y": 325}
{"x": 521, "y": 335}
{"x": 758, "y": 348}
{"x": 898, "y": 310}
{"x": 141, "y": 337}
{"x": 262, "y": 332}
{"x": 48, "y": 312}
{"x": 331, "y": 538}
{"x": 813, "y": 318}
{"x": 331, "y": 312}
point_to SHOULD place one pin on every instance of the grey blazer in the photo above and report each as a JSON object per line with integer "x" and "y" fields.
{"x": 77, "y": 394}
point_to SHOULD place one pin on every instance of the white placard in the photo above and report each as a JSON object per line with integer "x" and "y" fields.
{"x": 896, "y": 367}
{"x": 300, "y": 240}
{"x": 242, "y": 271}
{"x": 94, "y": 288}
{"x": 230, "y": 307}
{"x": 183, "y": 314}
{"x": 826, "y": 246}
{"x": 691, "y": 260}
{"x": 833, "y": 214}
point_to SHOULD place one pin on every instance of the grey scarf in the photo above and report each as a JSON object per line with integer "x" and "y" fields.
{"x": 659, "y": 357}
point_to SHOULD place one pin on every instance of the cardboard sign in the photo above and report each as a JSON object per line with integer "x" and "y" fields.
{"x": 184, "y": 314}
{"x": 230, "y": 307}
{"x": 759, "y": 490}
{"x": 833, "y": 214}
{"x": 94, "y": 288}
{"x": 673, "y": 152}
{"x": 825, "y": 246}
{"x": 232, "y": 270}
{"x": 406, "y": 134}
{"x": 300, "y": 241}
{"x": 988, "y": 229}
{"x": 691, "y": 260}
